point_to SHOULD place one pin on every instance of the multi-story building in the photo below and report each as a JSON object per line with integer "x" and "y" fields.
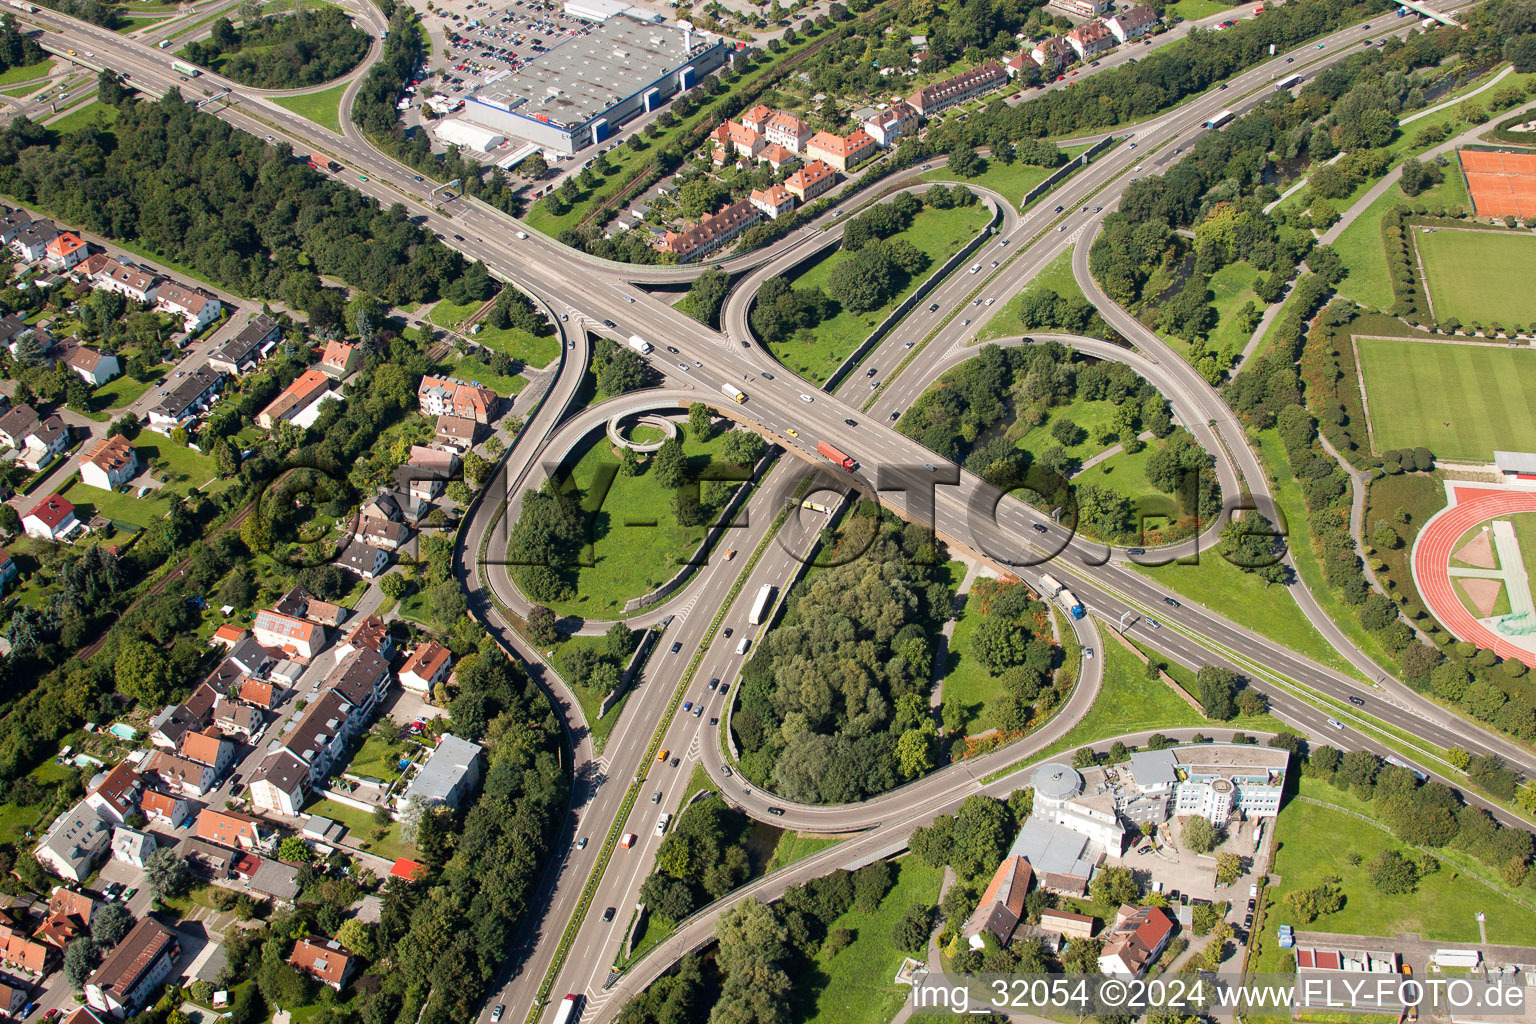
{"x": 1080, "y": 8}
{"x": 735, "y": 138}
{"x": 340, "y": 358}
{"x": 952, "y": 91}
{"x": 1090, "y": 39}
{"x": 1138, "y": 936}
{"x": 1131, "y": 22}
{"x": 306, "y": 389}
{"x": 53, "y": 518}
{"x": 94, "y": 366}
{"x": 64, "y": 251}
{"x": 111, "y": 463}
{"x": 1213, "y": 780}
{"x": 427, "y": 666}
{"x": 135, "y": 968}
{"x": 445, "y": 396}
{"x": 129, "y": 282}
{"x": 810, "y": 181}
{"x": 231, "y": 828}
{"x": 288, "y": 633}
{"x": 188, "y": 400}
{"x": 840, "y": 151}
{"x": 75, "y": 842}
{"x": 785, "y": 129}
{"x": 323, "y": 960}
{"x": 450, "y": 774}
{"x": 890, "y": 124}
{"x": 245, "y": 349}
{"x": 196, "y": 307}
{"x": 773, "y": 201}
{"x": 711, "y": 232}
{"x": 115, "y": 796}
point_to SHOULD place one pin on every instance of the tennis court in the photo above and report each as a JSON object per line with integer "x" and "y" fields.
{"x": 1501, "y": 183}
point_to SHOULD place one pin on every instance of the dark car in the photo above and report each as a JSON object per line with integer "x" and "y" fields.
{"x": 1137, "y": 551}
{"x": 728, "y": 632}
{"x": 1038, "y": 527}
{"x": 725, "y": 687}
{"x": 1357, "y": 702}
{"x": 608, "y": 914}
{"x": 714, "y": 684}
{"x": 675, "y": 762}
{"x": 896, "y": 415}
{"x": 1170, "y": 602}
{"x": 933, "y": 308}
{"x": 609, "y": 323}
{"x": 851, "y": 422}
{"x": 777, "y": 811}
{"x": 677, "y": 646}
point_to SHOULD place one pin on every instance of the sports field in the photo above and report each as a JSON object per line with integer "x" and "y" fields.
{"x": 1459, "y": 401}
{"x": 1480, "y": 276}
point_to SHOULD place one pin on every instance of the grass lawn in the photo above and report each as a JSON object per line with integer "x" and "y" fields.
{"x": 534, "y": 352}
{"x": 1360, "y": 243}
{"x": 92, "y": 501}
{"x": 1242, "y": 597}
{"x": 795, "y": 846}
{"x": 1482, "y": 392}
{"x": 1193, "y": 10}
{"x": 375, "y": 760}
{"x": 1121, "y": 472}
{"x": 855, "y": 986}
{"x": 939, "y": 233}
{"x": 1318, "y": 841}
{"x": 1480, "y": 276}
{"x": 637, "y": 544}
{"x": 1231, "y": 286}
{"x": 472, "y": 369}
{"x": 116, "y": 394}
{"x": 1088, "y": 415}
{"x": 1057, "y": 277}
{"x": 968, "y": 684}
{"x": 174, "y": 464}
{"x": 87, "y": 115}
{"x": 360, "y": 828}
{"x": 451, "y": 314}
{"x": 1525, "y": 534}
{"x": 12, "y": 76}
{"x": 320, "y": 107}
{"x": 590, "y": 698}
{"x": 1012, "y": 180}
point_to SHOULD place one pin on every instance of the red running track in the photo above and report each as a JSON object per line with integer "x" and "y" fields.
{"x": 1432, "y": 558}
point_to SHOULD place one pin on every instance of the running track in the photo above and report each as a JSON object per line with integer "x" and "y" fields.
{"x": 1432, "y": 556}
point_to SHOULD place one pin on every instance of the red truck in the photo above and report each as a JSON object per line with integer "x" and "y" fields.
{"x": 835, "y": 455}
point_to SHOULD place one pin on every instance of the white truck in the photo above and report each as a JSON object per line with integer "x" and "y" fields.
{"x": 735, "y": 394}
{"x": 639, "y": 344}
{"x": 1050, "y": 586}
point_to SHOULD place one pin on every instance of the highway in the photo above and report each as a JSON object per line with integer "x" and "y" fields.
{"x": 964, "y": 510}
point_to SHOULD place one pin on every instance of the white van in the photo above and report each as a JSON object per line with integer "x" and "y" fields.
{"x": 662, "y": 823}
{"x": 741, "y": 648}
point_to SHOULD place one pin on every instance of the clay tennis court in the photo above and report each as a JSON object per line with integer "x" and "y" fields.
{"x": 1437, "y": 543}
{"x": 1501, "y": 183}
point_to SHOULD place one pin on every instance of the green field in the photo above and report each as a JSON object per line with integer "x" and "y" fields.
{"x": 1088, "y": 415}
{"x": 1230, "y": 287}
{"x": 858, "y": 981}
{"x": 533, "y": 352}
{"x": 638, "y": 544}
{"x": 968, "y": 684}
{"x": 320, "y": 107}
{"x": 939, "y": 233}
{"x": 360, "y": 828}
{"x": 1459, "y": 400}
{"x": 1012, "y": 180}
{"x": 1316, "y": 841}
{"x": 117, "y": 394}
{"x": 1360, "y": 246}
{"x": 1057, "y": 276}
{"x": 376, "y": 759}
{"x": 13, "y": 76}
{"x": 1480, "y": 276}
{"x": 472, "y": 369}
{"x": 451, "y": 314}
{"x": 795, "y": 846}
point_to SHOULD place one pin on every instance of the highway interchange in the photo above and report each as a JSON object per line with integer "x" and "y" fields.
{"x": 584, "y": 294}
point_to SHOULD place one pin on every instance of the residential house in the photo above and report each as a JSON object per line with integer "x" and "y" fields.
{"x": 230, "y": 828}
{"x": 75, "y": 841}
{"x": 1091, "y": 39}
{"x": 31, "y": 241}
{"x": 890, "y": 124}
{"x": 134, "y": 970}
{"x": 382, "y": 506}
{"x": 1138, "y": 936}
{"x": 326, "y": 962}
{"x": 196, "y": 307}
{"x": 12, "y": 328}
{"x": 451, "y": 773}
{"x": 427, "y": 665}
{"x": 1001, "y": 909}
{"x": 307, "y": 388}
{"x": 16, "y": 424}
{"x": 428, "y": 470}
{"x": 9, "y": 570}
{"x": 71, "y": 904}
{"x": 953, "y": 91}
{"x": 129, "y": 282}
{"x": 207, "y": 859}
{"x": 1132, "y": 22}
{"x": 362, "y": 678}
{"x": 258, "y": 693}
{"x": 439, "y": 396}
{"x": 20, "y": 953}
{"x": 757, "y": 118}
{"x": 1081, "y": 8}
{"x": 773, "y": 200}
{"x": 115, "y": 795}
{"x": 1052, "y": 54}
{"x": 235, "y": 718}
{"x": 208, "y": 747}
{"x": 180, "y": 775}
{"x": 94, "y": 366}
{"x": 44, "y": 442}
{"x": 110, "y": 463}
{"x": 288, "y": 634}
{"x": 280, "y": 784}
{"x": 12, "y": 999}
{"x": 167, "y": 728}
{"x": 250, "y": 657}
{"x": 785, "y": 129}
{"x": 243, "y": 351}
{"x": 64, "y": 251}
{"x": 711, "y": 232}
{"x": 132, "y": 846}
{"x": 189, "y": 399}
{"x": 164, "y": 807}
{"x": 367, "y": 560}
{"x": 228, "y": 635}
{"x": 733, "y": 136}
{"x": 368, "y": 634}
{"x": 341, "y": 358}
{"x": 82, "y": 1015}
{"x": 810, "y": 181}
{"x": 777, "y": 156}
{"x": 1067, "y": 924}
{"x": 50, "y": 519}
{"x": 459, "y": 432}
{"x": 276, "y": 880}
{"x": 11, "y": 222}
{"x": 840, "y": 151}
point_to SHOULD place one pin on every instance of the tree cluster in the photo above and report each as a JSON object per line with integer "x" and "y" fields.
{"x": 305, "y": 48}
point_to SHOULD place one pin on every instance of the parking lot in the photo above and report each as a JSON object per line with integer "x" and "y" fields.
{"x": 488, "y": 42}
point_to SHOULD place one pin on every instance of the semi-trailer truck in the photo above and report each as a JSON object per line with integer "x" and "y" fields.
{"x": 567, "y": 1012}
{"x": 186, "y": 69}
{"x": 733, "y": 393}
{"x": 836, "y": 456}
{"x": 1050, "y": 586}
{"x": 1219, "y": 120}
{"x": 760, "y": 605}
{"x": 1073, "y": 606}
{"x": 639, "y": 344}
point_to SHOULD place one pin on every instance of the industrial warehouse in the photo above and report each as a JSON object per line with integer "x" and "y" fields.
{"x": 581, "y": 91}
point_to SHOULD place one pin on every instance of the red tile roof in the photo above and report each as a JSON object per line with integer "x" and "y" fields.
{"x": 52, "y": 510}
{"x": 324, "y": 961}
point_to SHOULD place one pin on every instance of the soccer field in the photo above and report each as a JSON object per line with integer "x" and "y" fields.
{"x": 1483, "y": 391}
{"x": 1480, "y": 276}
